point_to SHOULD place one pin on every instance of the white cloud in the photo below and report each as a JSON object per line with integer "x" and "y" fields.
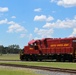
{"x": 3, "y": 9}
{"x": 50, "y": 18}
{"x": 36, "y": 38}
{"x": 65, "y": 3}
{"x": 53, "y": 0}
{"x": 11, "y": 22}
{"x": 15, "y": 27}
{"x": 30, "y": 36}
{"x": 13, "y": 17}
{"x": 40, "y": 18}
{"x": 43, "y": 18}
{"x": 22, "y": 35}
{"x": 44, "y": 32}
{"x": 38, "y": 10}
{"x": 67, "y": 23}
{"x": 75, "y": 17}
{"x": 3, "y": 21}
{"x": 73, "y": 33}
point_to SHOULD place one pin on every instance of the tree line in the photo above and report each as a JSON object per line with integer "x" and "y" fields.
{"x": 11, "y": 49}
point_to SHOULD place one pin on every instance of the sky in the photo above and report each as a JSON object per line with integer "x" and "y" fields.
{"x": 24, "y": 20}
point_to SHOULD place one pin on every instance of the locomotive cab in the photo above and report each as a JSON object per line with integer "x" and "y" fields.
{"x": 34, "y": 46}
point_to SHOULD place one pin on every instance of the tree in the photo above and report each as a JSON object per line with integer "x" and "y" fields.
{"x": 13, "y": 48}
{"x": 1, "y": 49}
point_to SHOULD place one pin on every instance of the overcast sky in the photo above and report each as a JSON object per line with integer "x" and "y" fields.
{"x": 23, "y": 20}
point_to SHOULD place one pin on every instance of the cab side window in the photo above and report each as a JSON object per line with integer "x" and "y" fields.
{"x": 35, "y": 46}
{"x": 31, "y": 45}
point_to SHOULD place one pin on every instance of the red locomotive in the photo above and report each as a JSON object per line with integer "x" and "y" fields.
{"x": 60, "y": 49}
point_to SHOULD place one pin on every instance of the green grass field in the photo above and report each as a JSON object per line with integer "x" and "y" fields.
{"x": 5, "y": 71}
{"x": 66, "y": 65}
{"x": 9, "y": 57}
{"x": 47, "y": 64}
{"x": 9, "y": 71}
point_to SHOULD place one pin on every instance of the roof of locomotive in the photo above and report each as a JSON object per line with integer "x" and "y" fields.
{"x": 68, "y": 38}
{"x": 32, "y": 41}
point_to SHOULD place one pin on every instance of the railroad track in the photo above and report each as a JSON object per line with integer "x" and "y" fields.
{"x": 41, "y": 68}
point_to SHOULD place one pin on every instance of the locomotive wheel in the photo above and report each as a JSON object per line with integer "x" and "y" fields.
{"x": 26, "y": 59}
{"x": 40, "y": 59}
{"x": 70, "y": 58}
{"x": 33, "y": 58}
{"x": 58, "y": 58}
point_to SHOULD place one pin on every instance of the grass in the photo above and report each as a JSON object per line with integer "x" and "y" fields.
{"x": 65, "y": 65}
{"x": 5, "y": 71}
{"x": 9, "y": 57}
{"x": 16, "y": 72}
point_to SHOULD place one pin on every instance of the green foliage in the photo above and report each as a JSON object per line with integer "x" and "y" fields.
{"x": 1, "y": 49}
{"x": 12, "y": 49}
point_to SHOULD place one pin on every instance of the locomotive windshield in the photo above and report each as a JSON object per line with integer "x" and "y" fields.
{"x": 34, "y": 45}
{"x": 31, "y": 45}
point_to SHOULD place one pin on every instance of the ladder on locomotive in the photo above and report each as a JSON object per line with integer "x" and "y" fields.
{"x": 75, "y": 55}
